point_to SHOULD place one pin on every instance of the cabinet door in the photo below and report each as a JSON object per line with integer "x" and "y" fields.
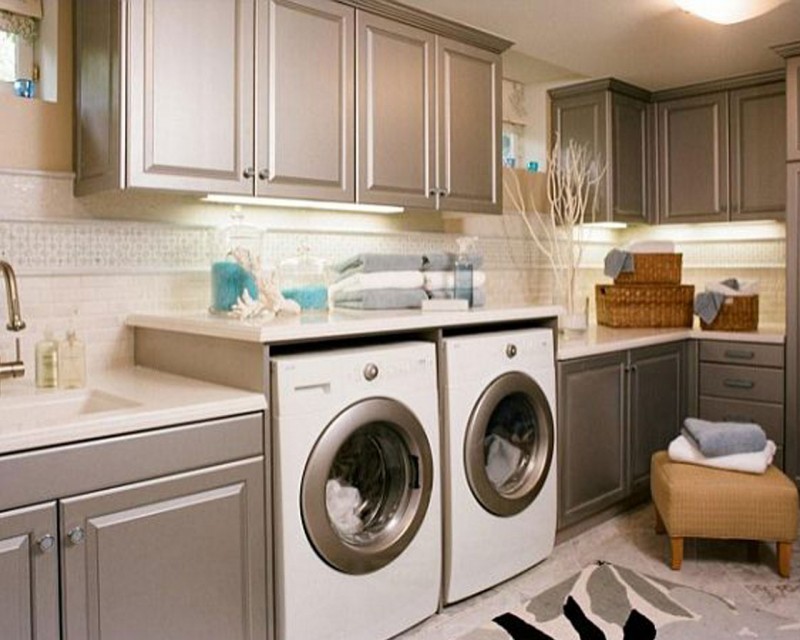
{"x": 29, "y": 574}
{"x": 181, "y": 557}
{"x": 306, "y": 97}
{"x": 628, "y": 171}
{"x": 190, "y": 102}
{"x": 793, "y": 320}
{"x": 657, "y": 401}
{"x": 592, "y": 445}
{"x": 469, "y": 104}
{"x": 693, "y": 159}
{"x": 793, "y": 105}
{"x": 584, "y": 119}
{"x": 396, "y": 112}
{"x": 758, "y": 154}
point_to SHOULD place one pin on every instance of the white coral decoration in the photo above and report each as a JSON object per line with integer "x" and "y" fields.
{"x": 270, "y": 300}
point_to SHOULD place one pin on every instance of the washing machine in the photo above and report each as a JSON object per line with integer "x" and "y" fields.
{"x": 499, "y": 444}
{"x": 357, "y": 516}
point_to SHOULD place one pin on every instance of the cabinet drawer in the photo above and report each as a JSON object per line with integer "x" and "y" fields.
{"x": 759, "y": 355}
{"x": 744, "y": 383}
{"x": 769, "y": 416}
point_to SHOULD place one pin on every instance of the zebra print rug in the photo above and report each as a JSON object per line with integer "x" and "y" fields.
{"x": 609, "y": 602}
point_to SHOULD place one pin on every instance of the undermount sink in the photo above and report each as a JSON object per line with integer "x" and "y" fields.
{"x": 43, "y": 410}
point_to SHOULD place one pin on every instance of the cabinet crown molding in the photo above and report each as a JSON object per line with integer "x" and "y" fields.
{"x": 430, "y": 22}
{"x": 726, "y": 84}
{"x": 604, "y": 84}
{"x": 787, "y": 50}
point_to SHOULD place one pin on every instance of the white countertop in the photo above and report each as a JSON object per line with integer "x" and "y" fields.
{"x": 120, "y": 401}
{"x": 598, "y": 340}
{"x": 339, "y": 323}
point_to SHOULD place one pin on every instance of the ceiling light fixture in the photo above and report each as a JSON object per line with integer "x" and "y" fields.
{"x": 286, "y": 203}
{"x": 728, "y": 11}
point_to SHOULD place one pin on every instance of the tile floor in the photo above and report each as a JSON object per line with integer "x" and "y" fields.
{"x": 721, "y": 567}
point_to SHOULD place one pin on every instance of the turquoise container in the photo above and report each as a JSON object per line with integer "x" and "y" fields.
{"x": 229, "y": 280}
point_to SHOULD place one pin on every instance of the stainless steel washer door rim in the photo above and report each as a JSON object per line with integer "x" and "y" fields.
{"x": 528, "y": 470}
{"x": 398, "y": 459}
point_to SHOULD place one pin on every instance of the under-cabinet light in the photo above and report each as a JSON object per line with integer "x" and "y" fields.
{"x": 287, "y": 203}
{"x": 728, "y": 11}
{"x": 606, "y": 225}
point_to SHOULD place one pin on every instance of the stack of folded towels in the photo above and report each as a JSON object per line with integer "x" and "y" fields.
{"x": 398, "y": 281}
{"x": 735, "y": 446}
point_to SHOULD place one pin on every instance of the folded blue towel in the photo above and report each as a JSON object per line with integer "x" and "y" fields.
{"x": 707, "y": 305}
{"x": 733, "y": 283}
{"x": 478, "y": 295}
{"x": 372, "y": 262}
{"x": 380, "y": 299}
{"x": 616, "y": 262}
{"x": 724, "y": 438}
{"x": 446, "y": 261}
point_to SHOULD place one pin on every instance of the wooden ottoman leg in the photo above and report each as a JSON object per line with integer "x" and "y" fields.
{"x": 660, "y": 528}
{"x": 784, "y": 559}
{"x": 676, "y": 549}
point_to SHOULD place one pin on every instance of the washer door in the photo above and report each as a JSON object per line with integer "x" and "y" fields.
{"x": 367, "y": 485}
{"x": 509, "y": 444}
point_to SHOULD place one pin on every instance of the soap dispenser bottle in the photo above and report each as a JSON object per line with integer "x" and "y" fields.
{"x": 47, "y": 361}
{"x": 462, "y": 274}
{"x": 72, "y": 361}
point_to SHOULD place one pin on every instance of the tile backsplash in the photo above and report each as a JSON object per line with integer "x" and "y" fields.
{"x": 107, "y": 260}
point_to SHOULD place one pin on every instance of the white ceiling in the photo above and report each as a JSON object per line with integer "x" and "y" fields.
{"x": 650, "y": 43}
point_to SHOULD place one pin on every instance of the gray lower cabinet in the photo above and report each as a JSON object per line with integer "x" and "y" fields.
{"x": 179, "y": 557}
{"x": 29, "y": 573}
{"x": 160, "y": 534}
{"x": 615, "y": 411}
{"x": 693, "y": 158}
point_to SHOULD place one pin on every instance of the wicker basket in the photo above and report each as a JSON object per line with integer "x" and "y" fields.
{"x": 738, "y": 313}
{"x": 653, "y": 268}
{"x": 644, "y": 305}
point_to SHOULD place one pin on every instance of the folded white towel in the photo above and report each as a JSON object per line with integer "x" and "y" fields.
{"x": 446, "y": 280}
{"x": 379, "y": 280}
{"x": 650, "y": 246}
{"x": 682, "y": 450}
{"x": 746, "y": 288}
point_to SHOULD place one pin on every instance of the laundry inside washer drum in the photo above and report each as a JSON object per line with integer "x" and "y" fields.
{"x": 368, "y": 483}
{"x": 510, "y": 442}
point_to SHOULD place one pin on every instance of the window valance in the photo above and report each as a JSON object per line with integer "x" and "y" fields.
{"x": 21, "y": 17}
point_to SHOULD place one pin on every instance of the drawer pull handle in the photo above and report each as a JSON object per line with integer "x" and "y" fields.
{"x": 739, "y": 354}
{"x": 739, "y": 384}
{"x": 735, "y": 418}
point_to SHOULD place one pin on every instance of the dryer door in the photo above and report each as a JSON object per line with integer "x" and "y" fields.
{"x": 367, "y": 485}
{"x": 508, "y": 448}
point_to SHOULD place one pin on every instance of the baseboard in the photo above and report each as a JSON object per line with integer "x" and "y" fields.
{"x": 571, "y": 531}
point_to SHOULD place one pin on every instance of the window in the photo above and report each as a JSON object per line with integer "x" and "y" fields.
{"x": 8, "y": 57}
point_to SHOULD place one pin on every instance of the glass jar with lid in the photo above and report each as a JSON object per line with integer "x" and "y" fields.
{"x": 304, "y": 280}
{"x": 237, "y": 264}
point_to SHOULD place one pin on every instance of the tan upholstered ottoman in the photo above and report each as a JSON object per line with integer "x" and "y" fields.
{"x": 698, "y": 502}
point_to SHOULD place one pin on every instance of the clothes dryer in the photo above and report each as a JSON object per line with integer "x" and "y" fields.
{"x": 357, "y": 516}
{"x": 499, "y": 444}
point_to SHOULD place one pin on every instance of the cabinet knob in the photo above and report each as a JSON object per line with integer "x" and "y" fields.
{"x": 432, "y": 193}
{"x": 263, "y": 174}
{"x": 76, "y": 536}
{"x": 443, "y": 193}
{"x": 511, "y": 350}
{"x": 248, "y": 173}
{"x": 45, "y": 543}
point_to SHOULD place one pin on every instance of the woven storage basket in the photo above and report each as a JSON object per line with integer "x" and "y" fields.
{"x": 738, "y": 313}
{"x": 641, "y": 305}
{"x": 653, "y": 268}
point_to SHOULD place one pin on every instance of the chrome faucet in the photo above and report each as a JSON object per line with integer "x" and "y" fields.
{"x": 14, "y": 368}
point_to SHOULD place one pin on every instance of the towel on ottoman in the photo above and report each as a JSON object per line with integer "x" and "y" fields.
{"x": 724, "y": 438}
{"x": 682, "y": 450}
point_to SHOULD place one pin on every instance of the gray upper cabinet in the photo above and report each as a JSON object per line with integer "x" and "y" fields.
{"x": 29, "y": 574}
{"x": 396, "y": 113}
{"x": 613, "y": 119}
{"x": 306, "y": 95}
{"x": 469, "y": 174}
{"x": 793, "y": 100}
{"x": 190, "y": 112}
{"x": 758, "y": 129}
{"x": 693, "y": 158}
{"x": 198, "y": 537}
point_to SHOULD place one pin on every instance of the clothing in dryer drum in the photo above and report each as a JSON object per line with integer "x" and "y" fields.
{"x": 367, "y": 486}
